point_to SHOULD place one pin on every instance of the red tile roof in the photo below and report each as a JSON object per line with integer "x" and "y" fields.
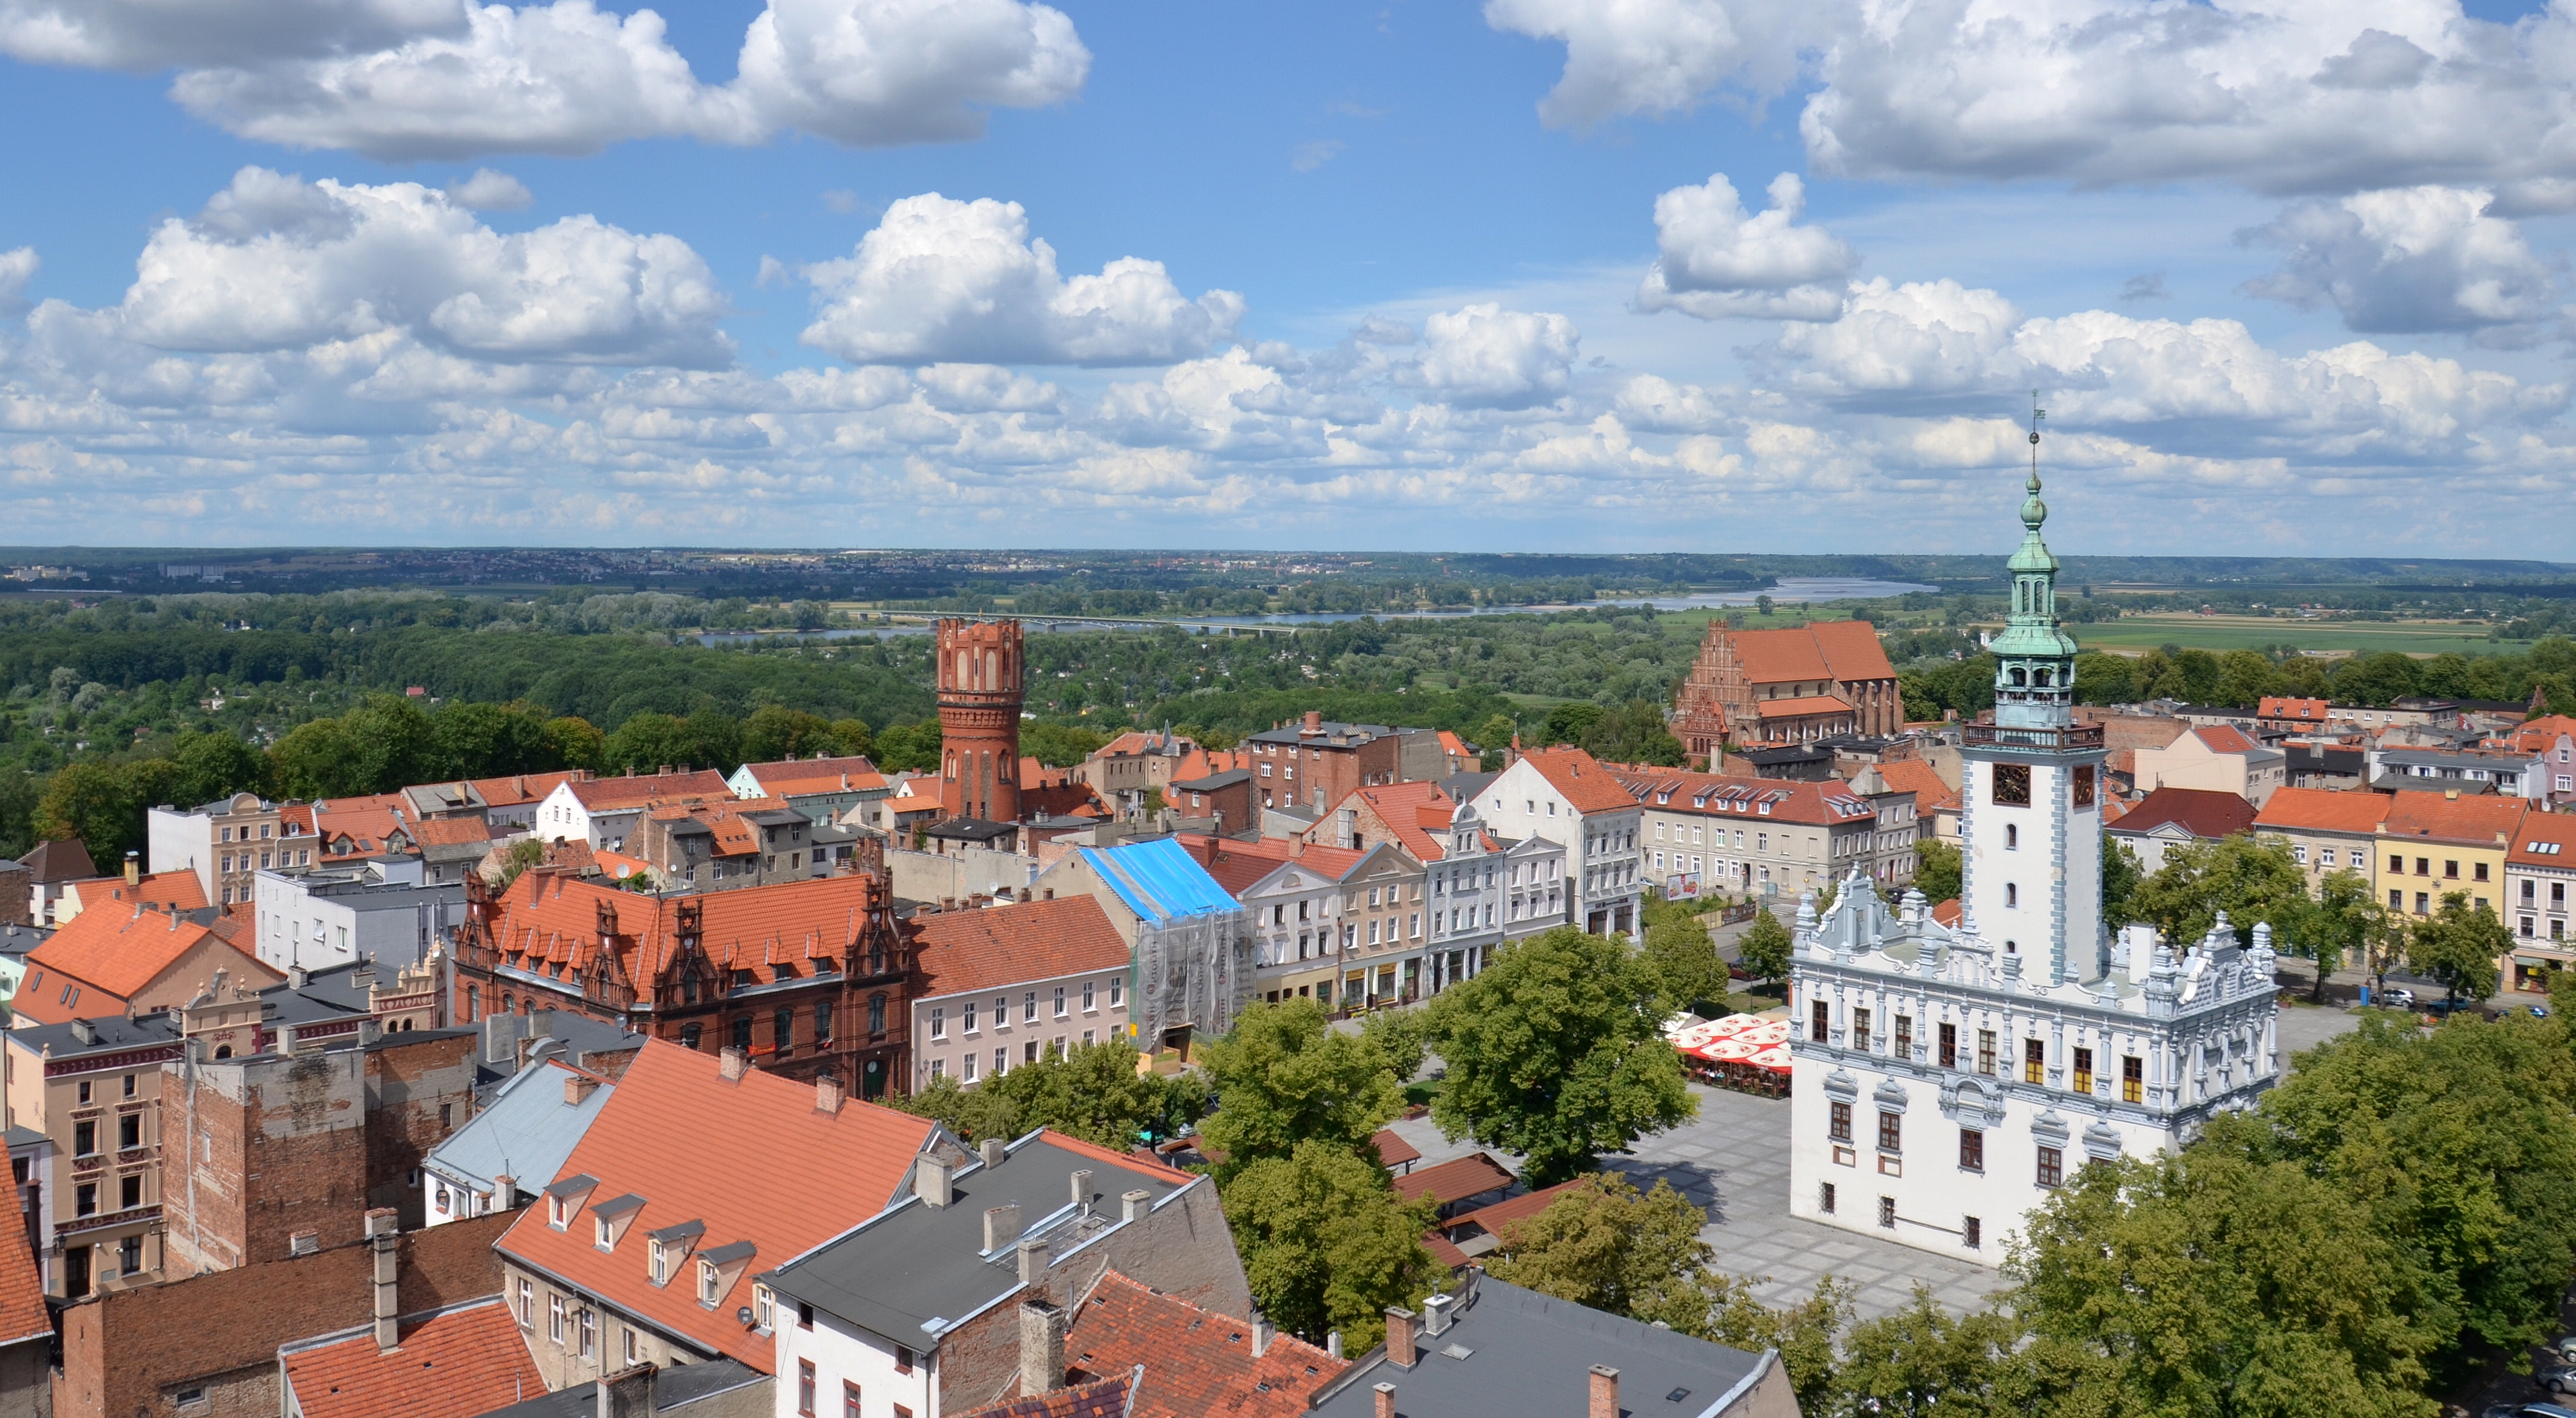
{"x": 1843, "y": 650}
{"x": 520, "y": 789}
{"x": 1197, "y": 1363}
{"x": 751, "y": 1159}
{"x": 1918, "y": 777}
{"x": 455, "y": 1364}
{"x": 1455, "y": 1180}
{"x": 160, "y": 888}
{"x": 2545, "y": 839}
{"x": 360, "y": 827}
{"x": 114, "y": 953}
{"x": 1583, "y": 783}
{"x": 1829, "y": 803}
{"x": 821, "y": 767}
{"x": 1402, "y": 807}
{"x": 965, "y": 951}
{"x": 2475, "y": 821}
{"x": 1445, "y": 1251}
{"x": 1492, "y": 1219}
{"x": 550, "y": 918}
{"x": 2202, "y": 813}
{"x": 1800, "y": 706}
{"x": 2275, "y": 706}
{"x": 2537, "y": 735}
{"x": 1238, "y": 866}
{"x": 1947, "y": 913}
{"x": 452, "y": 832}
{"x": 2224, "y": 738}
{"x": 1394, "y": 1151}
{"x": 22, "y": 1292}
{"x": 1105, "y": 1399}
{"x": 628, "y": 791}
{"x": 2322, "y": 810}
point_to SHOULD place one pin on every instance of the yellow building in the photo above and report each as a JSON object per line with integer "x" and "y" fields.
{"x": 2430, "y": 845}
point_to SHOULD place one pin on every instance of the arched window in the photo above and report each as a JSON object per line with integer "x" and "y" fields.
{"x": 506, "y": 1006}
{"x": 876, "y": 1013}
{"x": 689, "y": 1035}
{"x": 473, "y": 1003}
{"x": 2046, "y": 678}
{"x": 223, "y": 1051}
{"x": 2018, "y": 678}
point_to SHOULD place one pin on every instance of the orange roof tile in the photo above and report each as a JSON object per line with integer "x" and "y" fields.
{"x": 2224, "y": 738}
{"x": 623, "y": 791}
{"x": 520, "y": 789}
{"x": 1712, "y": 795}
{"x": 1238, "y": 866}
{"x": 1492, "y": 1219}
{"x": 2545, "y": 839}
{"x": 820, "y": 768}
{"x": 2276, "y": 706}
{"x": 156, "y": 889}
{"x": 2199, "y": 811}
{"x": 2475, "y": 821}
{"x": 1800, "y": 706}
{"x": 22, "y": 1292}
{"x": 1197, "y": 1363}
{"x": 1582, "y": 782}
{"x": 113, "y": 951}
{"x": 1392, "y": 1149}
{"x": 453, "y": 1364}
{"x": 966, "y": 951}
{"x": 2322, "y": 810}
{"x": 1445, "y": 1252}
{"x": 1845, "y": 650}
{"x": 1105, "y": 1399}
{"x": 751, "y": 1160}
{"x": 550, "y": 918}
{"x": 451, "y": 832}
{"x": 1455, "y": 1180}
{"x": 1947, "y": 913}
{"x": 1401, "y": 806}
{"x": 1919, "y": 778}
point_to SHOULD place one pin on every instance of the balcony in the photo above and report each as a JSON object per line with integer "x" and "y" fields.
{"x": 2059, "y": 738}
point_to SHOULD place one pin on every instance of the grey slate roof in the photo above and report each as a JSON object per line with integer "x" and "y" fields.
{"x": 525, "y": 1133}
{"x": 915, "y": 1263}
{"x": 111, "y": 1032}
{"x": 1529, "y": 1353}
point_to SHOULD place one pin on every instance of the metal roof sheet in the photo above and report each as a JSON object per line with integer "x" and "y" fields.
{"x": 1159, "y": 880}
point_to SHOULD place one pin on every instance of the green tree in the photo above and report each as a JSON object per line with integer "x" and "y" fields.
{"x": 2215, "y": 1281}
{"x": 1922, "y": 1361}
{"x": 1495, "y": 734}
{"x": 1556, "y": 1052}
{"x": 1763, "y": 950}
{"x": 646, "y": 742}
{"x": 2343, "y": 922}
{"x": 1684, "y": 963}
{"x": 489, "y": 741}
{"x": 1326, "y": 1243}
{"x": 1570, "y": 721}
{"x": 1060, "y": 745}
{"x": 1284, "y": 1076}
{"x": 1401, "y": 1037}
{"x": 217, "y": 765}
{"x": 575, "y": 742}
{"x": 913, "y": 746}
{"x": 2121, "y": 873}
{"x": 2244, "y": 677}
{"x": 320, "y": 759}
{"x": 773, "y": 732}
{"x": 853, "y": 736}
{"x": 1609, "y": 1246}
{"x": 1803, "y": 1332}
{"x": 390, "y": 736}
{"x": 2250, "y": 878}
{"x": 1938, "y": 872}
{"x": 1094, "y": 1093}
{"x": 102, "y": 804}
{"x": 2459, "y": 945}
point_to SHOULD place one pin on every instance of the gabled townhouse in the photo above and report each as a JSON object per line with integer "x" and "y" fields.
{"x": 1002, "y": 985}
{"x": 2297, "y": 715}
{"x": 51, "y": 864}
{"x": 1473, "y": 875}
{"x": 959, "y": 1293}
{"x": 1127, "y": 768}
{"x": 2328, "y": 830}
{"x": 1561, "y": 794}
{"x": 1189, "y": 940}
{"x": 515, "y": 1145}
{"x": 726, "y": 844}
{"x": 603, "y": 812}
{"x": 2217, "y": 758}
{"x": 697, "y": 1174}
{"x": 1291, "y": 895}
{"x": 1135, "y": 1348}
{"x": 1315, "y": 763}
{"x": 824, "y": 787}
{"x": 2172, "y": 817}
{"x": 2539, "y": 876}
{"x": 164, "y": 891}
{"x": 128, "y": 959}
{"x": 93, "y": 1089}
{"x": 1936, "y": 800}
{"x": 221, "y": 842}
{"x": 806, "y": 977}
{"x": 2430, "y": 845}
{"x": 2552, "y": 738}
{"x": 1766, "y": 837}
{"x": 1384, "y": 920}
{"x": 504, "y": 804}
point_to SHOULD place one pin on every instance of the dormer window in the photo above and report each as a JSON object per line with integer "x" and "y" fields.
{"x": 660, "y": 1264}
{"x": 710, "y": 1286}
{"x": 602, "y": 1235}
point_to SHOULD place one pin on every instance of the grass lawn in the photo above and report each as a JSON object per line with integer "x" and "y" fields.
{"x": 2246, "y": 632}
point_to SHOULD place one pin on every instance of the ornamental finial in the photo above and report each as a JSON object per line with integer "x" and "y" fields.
{"x": 2034, "y": 511}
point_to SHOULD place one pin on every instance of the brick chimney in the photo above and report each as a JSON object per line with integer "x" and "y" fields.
{"x": 1385, "y": 1401}
{"x": 828, "y": 1093}
{"x": 732, "y": 1063}
{"x": 1041, "y": 1348}
{"x": 577, "y": 1088}
{"x": 134, "y": 866}
{"x": 1605, "y": 1393}
{"x": 628, "y": 1393}
{"x": 1399, "y": 1337}
{"x": 381, "y": 1236}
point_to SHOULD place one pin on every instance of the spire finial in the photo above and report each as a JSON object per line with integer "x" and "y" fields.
{"x": 2034, "y": 511}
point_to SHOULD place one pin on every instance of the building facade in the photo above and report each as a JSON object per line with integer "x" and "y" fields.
{"x": 1561, "y": 794}
{"x": 1316, "y": 762}
{"x": 982, "y": 665}
{"x": 1786, "y": 686}
{"x": 1946, "y": 1080}
{"x": 224, "y": 842}
{"x": 1706, "y": 835}
{"x": 1004, "y": 985}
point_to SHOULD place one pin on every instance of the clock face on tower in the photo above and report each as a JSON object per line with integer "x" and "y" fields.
{"x": 2012, "y": 785}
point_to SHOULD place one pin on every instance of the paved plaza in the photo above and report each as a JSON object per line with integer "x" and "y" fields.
{"x": 1733, "y": 1160}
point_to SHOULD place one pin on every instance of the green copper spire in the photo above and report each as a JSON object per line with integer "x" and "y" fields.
{"x": 2034, "y": 659}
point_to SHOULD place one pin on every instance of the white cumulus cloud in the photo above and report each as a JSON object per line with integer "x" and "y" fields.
{"x": 489, "y": 191}
{"x": 569, "y": 77}
{"x": 2408, "y": 260}
{"x": 940, "y": 280}
{"x": 1653, "y": 57}
{"x": 16, "y": 269}
{"x": 154, "y": 34}
{"x": 1484, "y": 356}
{"x": 275, "y": 262}
{"x": 1716, "y": 259}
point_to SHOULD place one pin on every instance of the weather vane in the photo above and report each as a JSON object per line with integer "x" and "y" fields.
{"x": 2036, "y": 414}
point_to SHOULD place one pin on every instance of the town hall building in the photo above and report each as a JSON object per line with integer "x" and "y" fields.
{"x": 1947, "y": 1079}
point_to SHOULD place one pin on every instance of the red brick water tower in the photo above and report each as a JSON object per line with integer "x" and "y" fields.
{"x": 980, "y": 689}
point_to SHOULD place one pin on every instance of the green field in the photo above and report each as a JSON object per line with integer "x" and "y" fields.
{"x": 2236, "y": 632}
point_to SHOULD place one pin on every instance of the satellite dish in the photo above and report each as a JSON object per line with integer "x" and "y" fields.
{"x": 744, "y": 1315}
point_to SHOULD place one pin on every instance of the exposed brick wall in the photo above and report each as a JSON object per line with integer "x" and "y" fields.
{"x": 125, "y": 1353}
{"x": 276, "y": 1145}
{"x": 418, "y": 1092}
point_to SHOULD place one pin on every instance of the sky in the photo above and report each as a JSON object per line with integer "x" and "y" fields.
{"x": 2289, "y": 276}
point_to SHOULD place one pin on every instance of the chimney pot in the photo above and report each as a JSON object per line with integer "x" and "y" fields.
{"x": 1082, "y": 1188}
{"x": 1134, "y": 1205}
{"x": 1399, "y": 1336}
{"x": 1263, "y": 1333}
{"x": 1033, "y": 1262}
{"x": 1385, "y": 1401}
{"x": 1333, "y": 1344}
{"x": 1041, "y": 1348}
{"x": 828, "y": 1094}
{"x": 732, "y": 1063}
{"x": 1435, "y": 1314}
{"x": 1605, "y": 1392}
{"x": 1001, "y": 1226}
{"x": 577, "y": 1087}
{"x": 931, "y": 1182}
{"x": 994, "y": 1151}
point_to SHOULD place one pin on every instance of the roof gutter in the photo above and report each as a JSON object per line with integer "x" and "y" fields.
{"x": 1727, "y": 1399}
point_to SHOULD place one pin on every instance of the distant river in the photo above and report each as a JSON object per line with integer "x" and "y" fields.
{"x": 1788, "y": 590}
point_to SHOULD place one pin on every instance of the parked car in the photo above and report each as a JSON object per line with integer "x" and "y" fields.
{"x": 2555, "y": 1376}
{"x": 2564, "y": 1348}
{"x": 2396, "y": 997}
{"x": 2539, "y": 1011}
{"x": 2527, "y": 1410}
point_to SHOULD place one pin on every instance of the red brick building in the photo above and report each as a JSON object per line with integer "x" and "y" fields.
{"x": 808, "y": 977}
{"x": 1786, "y": 686}
{"x": 1315, "y": 763}
{"x": 980, "y": 678}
